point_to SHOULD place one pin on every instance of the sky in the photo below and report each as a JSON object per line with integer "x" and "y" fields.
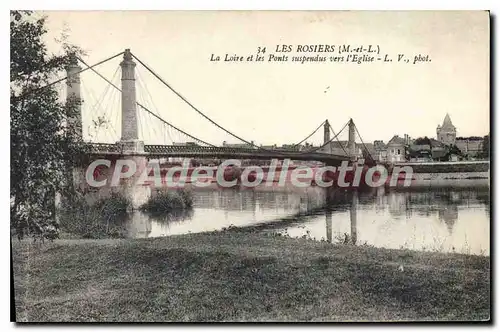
{"x": 282, "y": 102}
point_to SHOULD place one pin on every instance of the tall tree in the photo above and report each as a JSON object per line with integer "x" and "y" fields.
{"x": 486, "y": 147}
{"x": 42, "y": 146}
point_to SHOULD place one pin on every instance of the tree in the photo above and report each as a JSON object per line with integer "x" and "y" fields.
{"x": 486, "y": 147}
{"x": 453, "y": 149}
{"x": 423, "y": 141}
{"x": 43, "y": 148}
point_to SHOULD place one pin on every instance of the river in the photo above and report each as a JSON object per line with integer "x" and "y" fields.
{"x": 444, "y": 220}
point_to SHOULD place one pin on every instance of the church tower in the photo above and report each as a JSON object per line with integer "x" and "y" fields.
{"x": 447, "y": 133}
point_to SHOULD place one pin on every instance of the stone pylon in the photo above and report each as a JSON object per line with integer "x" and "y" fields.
{"x": 132, "y": 146}
{"x": 130, "y": 137}
{"x": 352, "y": 140}
{"x": 326, "y": 132}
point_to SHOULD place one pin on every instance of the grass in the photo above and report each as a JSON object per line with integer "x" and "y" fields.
{"x": 231, "y": 276}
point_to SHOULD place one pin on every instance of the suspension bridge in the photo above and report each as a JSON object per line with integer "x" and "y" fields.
{"x": 131, "y": 144}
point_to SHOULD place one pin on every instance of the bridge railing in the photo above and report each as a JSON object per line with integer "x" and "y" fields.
{"x": 195, "y": 148}
{"x": 104, "y": 148}
{"x": 172, "y": 150}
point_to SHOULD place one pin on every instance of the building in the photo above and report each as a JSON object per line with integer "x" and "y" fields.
{"x": 184, "y": 143}
{"x": 380, "y": 150}
{"x": 239, "y": 145}
{"x": 335, "y": 147}
{"x": 470, "y": 146}
{"x": 291, "y": 147}
{"x": 396, "y": 149}
{"x": 446, "y": 133}
{"x": 367, "y": 151}
{"x": 420, "y": 153}
{"x": 269, "y": 147}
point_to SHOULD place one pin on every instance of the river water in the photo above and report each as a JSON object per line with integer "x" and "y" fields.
{"x": 444, "y": 220}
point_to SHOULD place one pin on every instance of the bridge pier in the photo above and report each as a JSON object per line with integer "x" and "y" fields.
{"x": 130, "y": 188}
{"x": 353, "y": 213}
{"x": 329, "y": 228}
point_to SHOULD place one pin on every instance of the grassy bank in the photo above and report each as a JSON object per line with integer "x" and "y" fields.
{"x": 243, "y": 277}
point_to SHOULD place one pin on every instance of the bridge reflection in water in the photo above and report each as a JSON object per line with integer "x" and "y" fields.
{"x": 440, "y": 220}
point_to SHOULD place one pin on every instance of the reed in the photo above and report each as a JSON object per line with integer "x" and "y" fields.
{"x": 167, "y": 201}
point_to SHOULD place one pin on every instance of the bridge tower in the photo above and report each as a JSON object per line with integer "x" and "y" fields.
{"x": 352, "y": 140}
{"x": 326, "y": 132}
{"x": 130, "y": 137}
{"x": 132, "y": 146}
{"x": 73, "y": 96}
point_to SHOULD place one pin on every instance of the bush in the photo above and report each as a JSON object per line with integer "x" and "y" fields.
{"x": 114, "y": 206}
{"x": 168, "y": 201}
{"x": 104, "y": 219}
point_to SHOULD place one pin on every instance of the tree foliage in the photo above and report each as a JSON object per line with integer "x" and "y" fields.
{"x": 423, "y": 141}
{"x": 485, "y": 153}
{"x": 453, "y": 149}
{"x": 43, "y": 148}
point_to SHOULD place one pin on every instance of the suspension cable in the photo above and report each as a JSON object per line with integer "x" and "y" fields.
{"x": 325, "y": 144}
{"x": 340, "y": 143}
{"x": 141, "y": 96}
{"x": 24, "y": 95}
{"x": 191, "y": 105}
{"x": 194, "y": 108}
{"x": 314, "y": 132}
{"x": 146, "y": 109}
{"x": 369, "y": 154}
{"x": 98, "y": 105}
{"x": 205, "y": 116}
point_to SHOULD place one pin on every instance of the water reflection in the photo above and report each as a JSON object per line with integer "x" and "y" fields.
{"x": 442, "y": 220}
{"x": 143, "y": 225}
{"x": 439, "y": 220}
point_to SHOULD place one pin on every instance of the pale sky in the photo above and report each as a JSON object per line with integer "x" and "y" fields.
{"x": 282, "y": 102}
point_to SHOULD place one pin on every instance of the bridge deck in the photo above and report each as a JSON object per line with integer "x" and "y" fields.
{"x": 164, "y": 151}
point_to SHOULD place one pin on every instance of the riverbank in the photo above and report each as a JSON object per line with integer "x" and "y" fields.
{"x": 231, "y": 276}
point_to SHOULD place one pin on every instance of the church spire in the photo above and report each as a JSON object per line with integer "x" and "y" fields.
{"x": 447, "y": 122}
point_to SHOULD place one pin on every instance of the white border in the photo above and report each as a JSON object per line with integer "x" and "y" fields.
{"x": 205, "y": 5}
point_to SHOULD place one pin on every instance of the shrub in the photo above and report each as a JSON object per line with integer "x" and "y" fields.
{"x": 103, "y": 219}
{"x": 168, "y": 201}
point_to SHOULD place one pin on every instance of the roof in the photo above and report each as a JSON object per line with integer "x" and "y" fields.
{"x": 419, "y": 153}
{"x": 472, "y": 138}
{"x": 369, "y": 146}
{"x": 436, "y": 144}
{"x": 447, "y": 122}
{"x": 420, "y": 147}
{"x": 339, "y": 144}
{"x": 366, "y": 148}
{"x": 396, "y": 140}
